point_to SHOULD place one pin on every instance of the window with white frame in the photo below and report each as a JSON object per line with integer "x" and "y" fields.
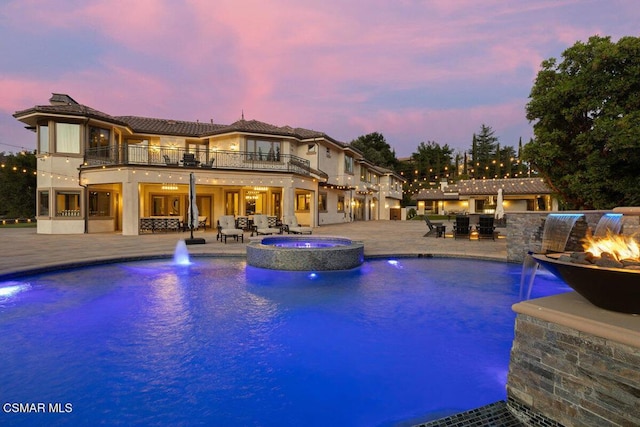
{"x": 303, "y": 202}
{"x": 43, "y": 203}
{"x": 348, "y": 164}
{"x": 99, "y": 140}
{"x": 67, "y": 203}
{"x": 67, "y": 138}
{"x": 263, "y": 150}
{"x": 322, "y": 202}
{"x": 99, "y": 203}
{"x": 43, "y": 139}
{"x": 340, "y": 203}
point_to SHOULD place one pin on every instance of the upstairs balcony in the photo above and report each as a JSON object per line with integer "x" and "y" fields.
{"x": 132, "y": 155}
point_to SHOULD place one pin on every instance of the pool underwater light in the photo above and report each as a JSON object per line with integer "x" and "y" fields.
{"x": 395, "y": 263}
{"x": 9, "y": 289}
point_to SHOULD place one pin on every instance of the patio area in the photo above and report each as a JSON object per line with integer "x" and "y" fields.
{"x": 24, "y": 250}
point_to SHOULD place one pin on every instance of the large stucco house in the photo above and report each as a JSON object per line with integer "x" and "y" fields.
{"x": 104, "y": 173}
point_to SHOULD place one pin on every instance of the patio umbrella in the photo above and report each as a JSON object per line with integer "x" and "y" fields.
{"x": 499, "y": 207}
{"x": 193, "y": 211}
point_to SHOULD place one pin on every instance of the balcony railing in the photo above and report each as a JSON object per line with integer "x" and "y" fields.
{"x": 179, "y": 157}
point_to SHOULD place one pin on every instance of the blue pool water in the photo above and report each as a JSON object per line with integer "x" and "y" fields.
{"x": 218, "y": 343}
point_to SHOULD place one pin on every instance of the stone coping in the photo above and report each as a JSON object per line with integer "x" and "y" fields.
{"x": 344, "y": 254}
{"x": 573, "y": 311}
{"x": 628, "y": 210}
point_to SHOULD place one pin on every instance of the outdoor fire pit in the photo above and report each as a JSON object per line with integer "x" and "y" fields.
{"x": 607, "y": 274}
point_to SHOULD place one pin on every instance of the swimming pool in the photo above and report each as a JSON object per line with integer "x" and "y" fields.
{"x": 394, "y": 342}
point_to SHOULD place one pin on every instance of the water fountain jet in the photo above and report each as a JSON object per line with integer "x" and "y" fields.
{"x": 181, "y": 254}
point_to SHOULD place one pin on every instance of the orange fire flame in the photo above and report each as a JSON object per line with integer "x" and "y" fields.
{"x": 618, "y": 245}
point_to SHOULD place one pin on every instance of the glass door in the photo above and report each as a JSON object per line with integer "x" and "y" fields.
{"x": 232, "y": 203}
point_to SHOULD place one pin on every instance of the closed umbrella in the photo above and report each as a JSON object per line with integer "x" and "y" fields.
{"x": 193, "y": 211}
{"x": 499, "y": 208}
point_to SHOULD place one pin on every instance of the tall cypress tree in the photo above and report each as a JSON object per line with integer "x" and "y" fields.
{"x": 486, "y": 143}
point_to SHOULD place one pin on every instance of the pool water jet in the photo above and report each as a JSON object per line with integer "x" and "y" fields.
{"x": 181, "y": 254}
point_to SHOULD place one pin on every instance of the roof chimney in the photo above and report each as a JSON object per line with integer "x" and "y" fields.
{"x": 61, "y": 99}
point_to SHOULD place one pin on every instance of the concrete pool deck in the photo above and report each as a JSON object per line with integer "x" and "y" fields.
{"x": 23, "y": 250}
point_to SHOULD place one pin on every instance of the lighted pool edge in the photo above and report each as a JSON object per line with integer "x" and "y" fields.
{"x": 305, "y": 253}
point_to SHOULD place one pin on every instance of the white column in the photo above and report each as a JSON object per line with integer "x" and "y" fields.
{"x": 472, "y": 205}
{"x": 288, "y": 194}
{"x": 130, "y": 208}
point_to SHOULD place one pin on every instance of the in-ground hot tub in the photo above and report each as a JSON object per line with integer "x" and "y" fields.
{"x": 305, "y": 253}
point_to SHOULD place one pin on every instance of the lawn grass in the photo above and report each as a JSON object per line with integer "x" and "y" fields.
{"x": 13, "y": 224}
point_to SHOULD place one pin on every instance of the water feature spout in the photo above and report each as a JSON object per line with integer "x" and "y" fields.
{"x": 609, "y": 222}
{"x": 557, "y": 229}
{"x": 181, "y": 254}
{"x": 528, "y": 275}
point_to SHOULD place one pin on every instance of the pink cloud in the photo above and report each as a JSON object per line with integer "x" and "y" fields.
{"x": 20, "y": 93}
{"x": 335, "y": 66}
{"x": 454, "y": 127}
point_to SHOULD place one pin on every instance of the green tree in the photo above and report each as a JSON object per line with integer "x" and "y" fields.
{"x": 376, "y": 149}
{"x": 586, "y": 111}
{"x": 521, "y": 169}
{"x": 426, "y": 167}
{"x": 17, "y": 185}
{"x": 483, "y": 152}
{"x": 433, "y": 162}
{"x": 508, "y": 162}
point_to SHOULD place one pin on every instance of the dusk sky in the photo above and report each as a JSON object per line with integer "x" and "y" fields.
{"x": 411, "y": 70}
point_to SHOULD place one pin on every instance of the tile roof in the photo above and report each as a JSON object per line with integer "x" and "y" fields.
{"x": 508, "y": 185}
{"x": 256, "y": 126}
{"x": 486, "y": 187}
{"x": 70, "y": 110}
{"x": 435, "y": 194}
{"x": 65, "y": 105}
{"x": 169, "y": 127}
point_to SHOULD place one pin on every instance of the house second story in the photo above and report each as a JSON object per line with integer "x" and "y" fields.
{"x": 72, "y": 136}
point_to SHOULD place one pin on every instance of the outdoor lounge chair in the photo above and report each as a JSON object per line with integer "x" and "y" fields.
{"x": 261, "y": 226}
{"x": 227, "y": 227}
{"x": 462, "y": 227}
{"x": 435, "y": 228}
{"x": 243, "y": 223}
{"x": 486, "y": 229}
{"x": 168, "y": 161}
{"x": 189, "y": 160}
{"x": 209, "y": 164}
{"x": 202, "y": 222}
{"x": 292, "y": 226}
{"x": 274, "y": 222}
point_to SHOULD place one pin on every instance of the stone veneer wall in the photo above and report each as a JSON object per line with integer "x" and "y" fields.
{"x": 571, "y": 377}
{"x": 524, "y": 231}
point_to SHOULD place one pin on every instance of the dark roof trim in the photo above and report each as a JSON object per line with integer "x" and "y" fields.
{"x": 75, "y": 110}
{"x": 62, "y": 104}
